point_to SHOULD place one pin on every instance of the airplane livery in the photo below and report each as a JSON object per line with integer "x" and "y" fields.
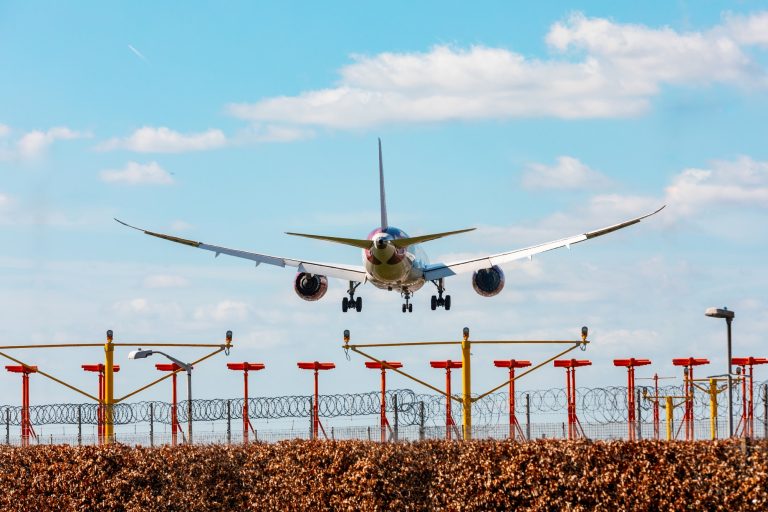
{"x": 394, "y": 261}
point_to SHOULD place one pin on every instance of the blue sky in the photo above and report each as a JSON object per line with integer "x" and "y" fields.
{"x": 232, "y": 125}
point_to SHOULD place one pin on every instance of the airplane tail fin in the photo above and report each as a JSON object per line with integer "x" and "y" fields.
{"x": 382, "y": 195}
{"x": 366, "y": 244}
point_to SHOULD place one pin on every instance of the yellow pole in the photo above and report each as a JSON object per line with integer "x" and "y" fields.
{"x": 109, "y": 388}
{"x": 713, "y": 408}
{"x": 466, "y": 386}
{"x": 670, "y": 416}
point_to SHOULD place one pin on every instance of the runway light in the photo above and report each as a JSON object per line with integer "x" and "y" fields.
{"x": 584, "y": 332}
{"x": 109, "y": 334}
{"x": 346, "y": 335}
{"x": 466, "y": 332}
{"x": 229, "y": 336}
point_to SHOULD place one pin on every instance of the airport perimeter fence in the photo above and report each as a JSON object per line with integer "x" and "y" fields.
{"x": 602, "y": 414}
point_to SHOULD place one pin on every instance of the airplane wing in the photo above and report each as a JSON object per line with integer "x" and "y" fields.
{"x": 440, "y": 270}
{"x": 345, "y": 272}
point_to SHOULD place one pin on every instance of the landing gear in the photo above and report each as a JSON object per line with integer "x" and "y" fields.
{"x": 352, "y": 304}
{"x": 407, "y": 306}
{"x": 438, "y": 301}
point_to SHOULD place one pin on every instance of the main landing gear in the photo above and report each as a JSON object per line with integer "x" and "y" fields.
{"x": 438, "y": 301}
{"x": 352, "y": 304}
{"x": 407, "y": 306}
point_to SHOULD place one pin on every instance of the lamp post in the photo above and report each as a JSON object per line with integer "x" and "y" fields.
{"x": 728, "y": 315}
{"x": 142, "y": 354}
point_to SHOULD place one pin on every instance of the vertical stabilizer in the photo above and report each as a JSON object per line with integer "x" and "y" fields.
{"x": 384, "y": 224}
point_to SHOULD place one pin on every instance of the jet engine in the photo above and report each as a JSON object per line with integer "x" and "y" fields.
{"x": 488, "y": 281}
{"x": 310, "y": 286}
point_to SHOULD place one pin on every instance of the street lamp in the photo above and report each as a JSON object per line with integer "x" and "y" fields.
{"x": 728, "y": 315}
{"x": 143, "y": 354}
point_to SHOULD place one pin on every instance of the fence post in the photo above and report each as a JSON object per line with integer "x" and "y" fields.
{"x": 79, "y": 425}
{"x": 639, "y": 415}
{"x": 229, "y": 422}
{"x": 528, "y": 416}
{"x": 311, "y": 418}
{"x": 765, "y": 411}
{"x": 369, "y": 433}
{"x": 421, "y": 420}
{"x": 333, "y": 436}
{"x": 7, "y": 426}
{"x": 394, "y": 404}
{"x": 151, "y": 425}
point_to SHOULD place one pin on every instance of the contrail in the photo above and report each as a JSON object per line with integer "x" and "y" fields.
{"x": 137, "y": 52}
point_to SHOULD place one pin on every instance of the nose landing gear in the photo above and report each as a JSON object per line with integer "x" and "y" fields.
{"x": 352, "y": 304}
{"x": 439, "y": 301}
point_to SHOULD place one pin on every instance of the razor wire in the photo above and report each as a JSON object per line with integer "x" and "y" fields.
{"x": 596, "y": 405}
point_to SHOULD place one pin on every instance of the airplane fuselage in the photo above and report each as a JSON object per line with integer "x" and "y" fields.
{"x": 391, "y": 268}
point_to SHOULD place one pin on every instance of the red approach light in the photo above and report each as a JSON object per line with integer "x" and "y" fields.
{"x": 386, "y": 364}
{"x": 99, "y": 367}
{"x": 749, "y": 360}
{"x": 689, "y": 361}
{"x": 316, "y": 366}
{"x": 445, "y": 364}
{"x": 246, "y": 366}
{"x": 511, "y": 363}
{"x": 572, "y": 363}
{"x": 167, "y": 367}
{"x": 631, "y": 362}
{"x": 21, "y": 369}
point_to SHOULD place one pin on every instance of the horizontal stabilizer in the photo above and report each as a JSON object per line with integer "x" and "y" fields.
{"x": 405, "y": 242}
{"x": 354, "y": 242}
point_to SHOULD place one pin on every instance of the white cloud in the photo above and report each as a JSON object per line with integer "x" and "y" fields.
{"x": 135, "y": 173}
{"x": 180, "y": 225}
{"x": 567, "y": 173}
{"x": 150, "y": 139}
{"x": 743, "y": 182}
{"x": 227, "y": 310}
{"x": 604, "y": 69}
{"x": 165, "y": 281}
{"x": 273, "y": 133}
{"x": 34, "y": 144}
{"x": 143, "y": 307}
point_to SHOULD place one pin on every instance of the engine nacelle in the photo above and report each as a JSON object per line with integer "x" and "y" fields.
{"x": 488, "y": 281}
{"x": 310, "y": 286}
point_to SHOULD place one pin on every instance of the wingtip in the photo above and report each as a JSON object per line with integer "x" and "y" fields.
{"x": 126, "y": 224}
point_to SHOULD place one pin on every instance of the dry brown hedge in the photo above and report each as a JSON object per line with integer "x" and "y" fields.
{"x": 301, "y": 475}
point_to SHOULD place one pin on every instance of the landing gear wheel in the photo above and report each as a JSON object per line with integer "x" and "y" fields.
{"x": 410, "y": 308}
{"x": 359, "y": 304}
{"x": 433, "y": 303}
{"x": 344, "y": 305}
{"x": 447, "y": 302}
{"x": 404, "y": 308}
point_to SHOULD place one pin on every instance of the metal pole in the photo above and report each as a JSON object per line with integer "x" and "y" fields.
{"x": 394, "y": 405}
{"x": 7, "y": 426}
{"x": 383, "y": 407}
{"x": 109, "y": 388}
{"x": 151, "y": 424}
{"x": 189, "y": 405}
{"x": 669, "y": 412}
{"x": 316, "y": 410}
{"x": 448, "y": 417}
{"x": 639, "y": 416}
{"x": 245, "y": 405}
{"x": 79, "y": 425}
{"x": 730, "y": 387}
{"x": 174, "y": 413}
{"x": 311, "y": 417}
{"x": 466, "y": 386}
{"x": 765, "y": 411}
{"x": 421, "y": 420}
{"x": 229, "y": 421}
{"x": 528, "y": 416}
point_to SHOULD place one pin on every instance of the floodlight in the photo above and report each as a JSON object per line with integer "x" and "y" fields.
{"x": 140, "y": 354}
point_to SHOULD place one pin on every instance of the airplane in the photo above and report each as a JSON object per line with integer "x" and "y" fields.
{"x": 394, "y": 261}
